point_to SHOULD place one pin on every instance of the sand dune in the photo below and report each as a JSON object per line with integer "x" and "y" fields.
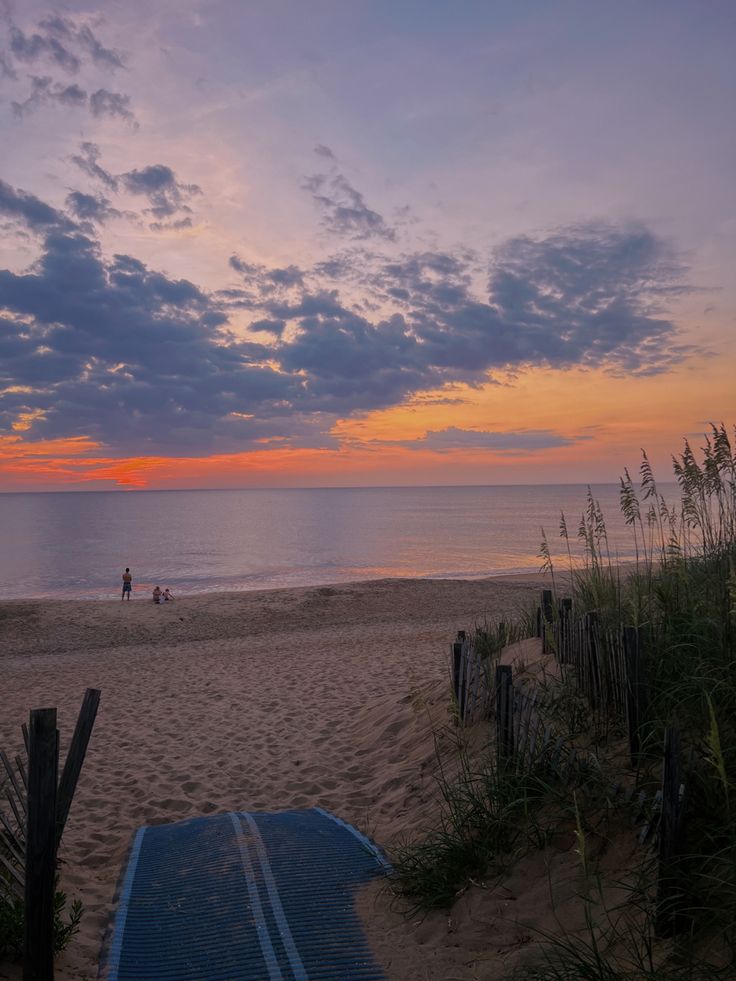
{"x": 253, "y": 701}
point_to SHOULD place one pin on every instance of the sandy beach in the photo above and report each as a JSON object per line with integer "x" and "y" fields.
{"x": 289, "y": 698}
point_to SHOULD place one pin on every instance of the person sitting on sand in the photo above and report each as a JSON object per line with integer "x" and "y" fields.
{"x": 168, "y": 595}
{"x": 127, "y": 584}
{"x": 157, "y": 595}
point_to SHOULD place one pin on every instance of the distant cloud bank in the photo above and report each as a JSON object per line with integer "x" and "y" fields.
{"x": 111, "y": 349}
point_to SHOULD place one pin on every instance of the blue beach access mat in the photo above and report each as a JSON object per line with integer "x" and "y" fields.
{"x": 244, "y": 897}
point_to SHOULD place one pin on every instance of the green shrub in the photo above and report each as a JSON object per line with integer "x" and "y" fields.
{"x": 12, "y": 923}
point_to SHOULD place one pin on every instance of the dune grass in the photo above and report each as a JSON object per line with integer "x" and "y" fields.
{"x": 490, "y": 813}
{"x": 681, "y": 590}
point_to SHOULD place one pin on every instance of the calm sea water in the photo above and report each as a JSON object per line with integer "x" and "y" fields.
{"x": 77, "y": 544}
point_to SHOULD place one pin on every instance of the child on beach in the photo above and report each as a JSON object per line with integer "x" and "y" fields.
{"x": 157, "y": 595}
{"x": 168, "y": 595}
{"x": 127, "y": 584}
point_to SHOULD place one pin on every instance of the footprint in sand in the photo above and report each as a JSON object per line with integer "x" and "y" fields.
{"x": 353, "y": 773}
{"x": 311, "y": 788}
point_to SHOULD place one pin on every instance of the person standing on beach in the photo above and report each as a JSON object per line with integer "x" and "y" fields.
{"x": 127, "y": 584}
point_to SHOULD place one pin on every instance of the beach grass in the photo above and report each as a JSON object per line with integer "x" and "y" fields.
{"x": 681, "y": 592}
{"x": 486, "y": 818}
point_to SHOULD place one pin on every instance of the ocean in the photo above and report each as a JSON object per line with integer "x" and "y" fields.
{"x": 76, "y": 544}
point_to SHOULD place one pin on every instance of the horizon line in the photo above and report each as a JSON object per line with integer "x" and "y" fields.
{"x": 177, "y": 490}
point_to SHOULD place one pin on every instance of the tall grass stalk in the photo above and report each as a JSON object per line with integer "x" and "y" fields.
{"x": 681, "y": 590}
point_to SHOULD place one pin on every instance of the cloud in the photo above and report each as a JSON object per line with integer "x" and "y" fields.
{"x": 111, "y": 349}
{"x": 6, "y": 68}
{"x": 33, "y": 213}
{"x": 105, "y": 103}
{"x": 70, "y": 95}
{"x": 288, "y": 276}
{"x": 54, "y": 40}
{"x": 130, "y": 357}
{"x": 32, "y": 47}
{"x": 168, "y": 197}
{"x": 87, "y": 161}
{"x": 82, "y": 36}
{"x": 266, "y": 280}
{"x": 100, "y": 103}
{"x": 91, "y": 207}
{"x": 592, "y": 294}
{"x": 423, "y": 399}
{"x": 588, "y": 296}
{"x": 270, "y": 326}
{"x": 178, "y": 223}
{"x": 528, "y": 440}
{"x": 69, "y": 45}
{"x": 44, "y": 89}
{"x": 324, "y": 151}
{"x": 343, "y": 208}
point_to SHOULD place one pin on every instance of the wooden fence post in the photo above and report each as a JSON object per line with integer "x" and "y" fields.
{"x": 458, "y": 674}
{"x": 565, "y": 626}
{"x": 635, "y": 689}
{"x": 75, "y": 758}
{"x": 43, "y": 767}
{"x": 669, "y": 914}
{"x": 546, "y": 617}
{"x": 504, "y": 713}
{"x": 593, "y": 665}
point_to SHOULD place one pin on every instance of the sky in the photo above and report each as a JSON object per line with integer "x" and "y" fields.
{"x": 254, "y": 243}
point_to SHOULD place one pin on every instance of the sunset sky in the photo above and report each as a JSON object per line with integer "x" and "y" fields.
{"x": 355, "y": 242}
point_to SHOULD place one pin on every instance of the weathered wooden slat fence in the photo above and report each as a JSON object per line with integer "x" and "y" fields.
{"x": 636, "y": 689}
{"x": 607, "y": 664}
{"x": 13, "y": 830}
{"x": 504, "y": 713}
{"x": 609, "y": 668}
{"x": 670, "y": 898}
{"x": 471, "y": 681}
{"x": 31, "y": 832}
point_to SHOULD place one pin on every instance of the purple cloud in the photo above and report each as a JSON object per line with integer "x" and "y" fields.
{"x": 116, "y": 350}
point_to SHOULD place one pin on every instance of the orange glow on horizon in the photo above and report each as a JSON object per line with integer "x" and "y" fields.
{"x": 606, "y": 420}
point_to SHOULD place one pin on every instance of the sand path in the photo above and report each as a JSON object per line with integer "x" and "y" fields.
{"x": 264, "y": 700}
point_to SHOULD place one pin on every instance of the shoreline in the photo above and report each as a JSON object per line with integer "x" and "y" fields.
{"x": 143, "y": 590}
{"x": 325, "y": 696}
